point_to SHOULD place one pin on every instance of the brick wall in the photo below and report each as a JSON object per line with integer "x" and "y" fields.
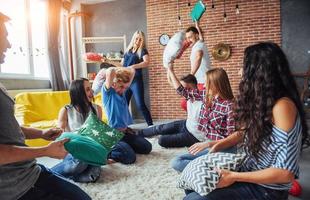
{"x": 258, "y": 20}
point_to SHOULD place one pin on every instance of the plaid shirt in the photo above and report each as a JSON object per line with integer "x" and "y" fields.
{"x": 216, "y": 121}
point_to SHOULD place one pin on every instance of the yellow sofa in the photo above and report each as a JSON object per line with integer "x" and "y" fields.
{"x": 40, "y": 110}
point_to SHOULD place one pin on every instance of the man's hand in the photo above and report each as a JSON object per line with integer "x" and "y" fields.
{"x": 170, "y": 66}
{"x": 51, "y": 134}
{"x": 57, "y": 149}
{"x": 196, "y": 24}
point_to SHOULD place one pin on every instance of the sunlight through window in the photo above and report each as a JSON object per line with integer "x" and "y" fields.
{"x": 27, "y": 57}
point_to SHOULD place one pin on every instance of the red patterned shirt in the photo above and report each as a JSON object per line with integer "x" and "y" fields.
{"x": 215, "y": 120}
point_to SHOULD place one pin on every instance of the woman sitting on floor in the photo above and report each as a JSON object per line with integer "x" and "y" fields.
{"x": 216, "y": 119}
{"x": 271, "y": 126}
{"x": 71, "y": 118}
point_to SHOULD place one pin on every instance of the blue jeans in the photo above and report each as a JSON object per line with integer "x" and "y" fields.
{"x": 137, "y": 90}
{"x": 174, "y": 134}
{"x": 51, "y": 186}
{"x": 241, "y": 191}
{"x": 125, "y": 150}
{"x": 181, "y": 161}
{"x": 77, "y": 170}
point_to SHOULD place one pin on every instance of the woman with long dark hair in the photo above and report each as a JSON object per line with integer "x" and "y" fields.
{"x": 271, "y": 128}
{"x": 71, "y": 118}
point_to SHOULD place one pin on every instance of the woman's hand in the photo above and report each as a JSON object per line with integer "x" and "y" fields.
{"x": 131, "y": 67}
{"x": 226, "y": 179}
{"x": 198, "y": 147}
{"x": 215, "y": 147}
{"x": 51, "y": 134}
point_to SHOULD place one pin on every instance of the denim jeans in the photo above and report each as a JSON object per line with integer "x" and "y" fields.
{"x": 52, "y": 186}
{"x": 241, "y": 191}
{"x": 174, "y": 134}
{"x": 137, "y": 90}
{"x": 77, "y": 170}
{"x": 181, "y": 161}
{"x": 125, "y": 150}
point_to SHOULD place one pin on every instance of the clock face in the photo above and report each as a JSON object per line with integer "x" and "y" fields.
{"x": 164, "y": 39}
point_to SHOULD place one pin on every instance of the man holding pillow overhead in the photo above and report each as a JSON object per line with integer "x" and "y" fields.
{"x": 200, "y": 61}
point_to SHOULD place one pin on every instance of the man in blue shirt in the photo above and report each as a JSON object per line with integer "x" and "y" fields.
{"x": 116, "y": 108}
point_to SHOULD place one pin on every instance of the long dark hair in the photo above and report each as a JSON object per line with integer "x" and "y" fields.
{"x": 266, "y": 78}
{"x": 79, "y": 99}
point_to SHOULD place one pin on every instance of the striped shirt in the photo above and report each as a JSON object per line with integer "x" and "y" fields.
{"x": 282, "y": 153}
{"x": 216, "y": 121}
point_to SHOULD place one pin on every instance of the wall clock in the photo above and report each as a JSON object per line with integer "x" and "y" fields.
{"x": 164, "y": 39}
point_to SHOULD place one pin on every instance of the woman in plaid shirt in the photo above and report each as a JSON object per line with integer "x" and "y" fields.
{"x": 216, "y": 120}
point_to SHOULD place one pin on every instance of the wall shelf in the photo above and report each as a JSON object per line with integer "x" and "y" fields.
{"x": 102, "y": 40}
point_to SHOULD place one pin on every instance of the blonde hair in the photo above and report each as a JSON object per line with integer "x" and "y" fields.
{"x": 3, "y": 18}
{"x": 217, "y": 80}
{"x": 122, "y": 75}
{"x": 132, "y": 42}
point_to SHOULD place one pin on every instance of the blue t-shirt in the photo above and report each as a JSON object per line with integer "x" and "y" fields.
{"x": 131, "y": 58}
{"x": 116, "y": 108}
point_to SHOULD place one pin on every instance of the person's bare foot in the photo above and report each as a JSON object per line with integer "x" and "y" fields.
{"x": 110, "y": 161}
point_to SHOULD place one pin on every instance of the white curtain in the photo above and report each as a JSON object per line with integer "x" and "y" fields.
{"x": 57, "y": 48}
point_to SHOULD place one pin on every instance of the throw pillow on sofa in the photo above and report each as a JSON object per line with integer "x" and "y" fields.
{"x": 85, "y": 149}
{"x": 200, "y": 175}
{"x": 100, "y": 132}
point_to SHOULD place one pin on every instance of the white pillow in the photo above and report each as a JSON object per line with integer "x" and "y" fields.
{"x": 201, "y": 176}
{"x": 173, "y": 48}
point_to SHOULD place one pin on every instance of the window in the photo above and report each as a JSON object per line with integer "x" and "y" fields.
{"x": 27, "y": 58}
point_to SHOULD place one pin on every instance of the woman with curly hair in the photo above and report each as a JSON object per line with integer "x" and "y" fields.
{"x": 271, "y": 127}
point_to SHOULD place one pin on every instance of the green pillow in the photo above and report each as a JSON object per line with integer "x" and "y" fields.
{"x": 85, "y": 149}
{"x": 197, "y": 11}
{"x": 100, "y": 132}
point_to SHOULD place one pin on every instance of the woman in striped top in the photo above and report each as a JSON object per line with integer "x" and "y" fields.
{"x": 271, "y": 128}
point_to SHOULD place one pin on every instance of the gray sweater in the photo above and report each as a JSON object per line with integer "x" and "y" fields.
{"x": 15, "y": 178}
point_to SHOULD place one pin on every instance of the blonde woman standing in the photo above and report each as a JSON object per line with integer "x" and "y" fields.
{"x": 137, "y": 57}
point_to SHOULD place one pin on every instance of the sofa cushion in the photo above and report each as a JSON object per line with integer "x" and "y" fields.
{"x": 40, "y": 110}
{"x": 31, "y": 107}
{"x": 44, "y": 124}
{"x": 36, "y": 107}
